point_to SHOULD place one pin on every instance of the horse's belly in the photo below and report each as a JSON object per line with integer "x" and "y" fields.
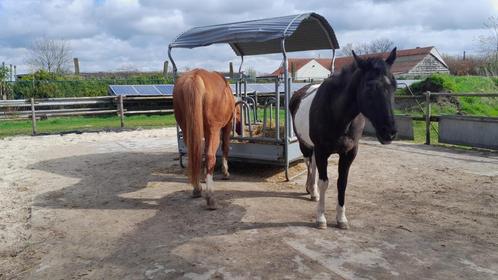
{"x": 302, "y": 117}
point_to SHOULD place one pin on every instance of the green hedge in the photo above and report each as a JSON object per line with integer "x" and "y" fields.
{"x": 47, "y": 85}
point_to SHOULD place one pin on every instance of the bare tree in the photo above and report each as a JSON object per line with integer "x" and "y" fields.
{"x": 51, "y": 55}
{"x": 4, "y": 74}
{"x": 251, "y": 73}
{"x": 489, "y": 47}
{"x": 358, "y": 49}
{"x": 489, "y": 44}
{"x": 375, "y": 46}
{"x": 347, "y": 49}
{"x": 380, "y": 45}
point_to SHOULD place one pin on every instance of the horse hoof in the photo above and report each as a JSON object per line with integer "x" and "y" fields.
{"x": 226, "y": 177}
{"x": 321, "y": 225}
{"x": 342, "y": 225}
{"x": 211, "y": 204}
{"x": 314, "y": 198}
{"x": 196, "y": 193}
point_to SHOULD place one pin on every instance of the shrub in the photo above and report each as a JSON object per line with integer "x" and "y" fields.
{"x": 434, "y": 83}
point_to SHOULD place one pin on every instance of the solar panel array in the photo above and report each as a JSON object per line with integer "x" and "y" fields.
{"x": 141, "y": 90}
{"x": 148, "y": 90}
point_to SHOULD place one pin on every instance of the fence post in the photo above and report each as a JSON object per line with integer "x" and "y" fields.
{"x": 121, "y": 110}
{"x": 33, "y": 116}
{"x": 428, "y": 118}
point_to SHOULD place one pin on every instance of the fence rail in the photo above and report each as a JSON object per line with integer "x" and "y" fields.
{"x": 428, "y": 101}
{"x": 36, "y": 109}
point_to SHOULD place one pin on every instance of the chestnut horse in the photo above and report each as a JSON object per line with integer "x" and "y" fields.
{"x": 204, "y": 106}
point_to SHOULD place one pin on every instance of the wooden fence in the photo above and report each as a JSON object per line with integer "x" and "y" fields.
{"x": 36, "y": 109}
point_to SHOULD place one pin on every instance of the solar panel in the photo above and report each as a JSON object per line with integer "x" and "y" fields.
{"x": 146, "y": 90}
{"x": 165, "y": 89}
{"x": 122, "y": 90}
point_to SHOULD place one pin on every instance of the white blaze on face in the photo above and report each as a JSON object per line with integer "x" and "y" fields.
{"x": 302, "y": 117}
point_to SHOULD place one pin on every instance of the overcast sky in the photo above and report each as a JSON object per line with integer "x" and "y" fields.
{"x": 111, "y": 35}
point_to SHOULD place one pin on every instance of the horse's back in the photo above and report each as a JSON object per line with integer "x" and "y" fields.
{"x": 217, "y": 98}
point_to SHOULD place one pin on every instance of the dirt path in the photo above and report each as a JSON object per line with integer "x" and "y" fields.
{"x": 117, "y": 206}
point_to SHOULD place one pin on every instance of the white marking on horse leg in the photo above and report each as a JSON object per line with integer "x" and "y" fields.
{"x": 320, "y": 211}
{"x": 342, "y": 221}
{"x": 315, "y": 196}
{"x": 224, "y": 165}
{"x": 209, "y": 192}
{"x": 308, "y": 174}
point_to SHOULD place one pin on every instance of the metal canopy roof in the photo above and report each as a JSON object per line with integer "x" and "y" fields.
{"x": 302, "y": 32}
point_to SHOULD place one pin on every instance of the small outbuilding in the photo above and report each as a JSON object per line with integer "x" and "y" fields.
{"x": 410, "y": 64}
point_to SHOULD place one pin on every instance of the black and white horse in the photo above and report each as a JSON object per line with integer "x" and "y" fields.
{"x": 330, "y": 117}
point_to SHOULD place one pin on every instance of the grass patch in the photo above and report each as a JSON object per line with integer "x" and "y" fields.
{"x": 419, "y": 132}
{"x": 459, "y": 84}
{"x": 63, "y": 124}
{"x": 471, "y": 106}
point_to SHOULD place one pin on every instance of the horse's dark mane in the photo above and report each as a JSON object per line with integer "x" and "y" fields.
{"x": 341, "y": 80}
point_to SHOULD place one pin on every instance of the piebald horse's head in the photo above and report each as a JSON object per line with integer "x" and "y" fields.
{"x": 375, "y": 94}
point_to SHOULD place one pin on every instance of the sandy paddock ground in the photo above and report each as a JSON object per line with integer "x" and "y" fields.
{"x": 117, "y": 206}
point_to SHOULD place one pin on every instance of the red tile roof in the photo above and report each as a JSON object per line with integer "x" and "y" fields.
{"x": 405, "y": 60}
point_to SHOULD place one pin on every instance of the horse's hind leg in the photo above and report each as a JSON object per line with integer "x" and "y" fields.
{"x": 309, "y": 159}
{"x": 212, "y": 143}
{"x": 345, "y": 160}
{"x": 311, "y": 183}
{"x": 323, "y": 183}
{"x": 226, "y": 131}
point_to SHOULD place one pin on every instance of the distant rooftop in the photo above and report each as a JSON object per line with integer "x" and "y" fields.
{"x": 405, "y": 60}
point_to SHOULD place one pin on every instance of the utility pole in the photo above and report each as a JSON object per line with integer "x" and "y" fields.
{"x": 165, "y": 69}
{"x": 76, "y": 66}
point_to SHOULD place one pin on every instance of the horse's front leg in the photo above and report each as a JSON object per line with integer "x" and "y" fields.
{"x": 323, "y": 183}
{"x": 226, "y": 131}
{"x": 212, "y": 143}
{"x": 345, "y": 160}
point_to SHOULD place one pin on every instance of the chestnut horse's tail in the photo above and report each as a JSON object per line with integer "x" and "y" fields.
{"x": 194, "y": 124}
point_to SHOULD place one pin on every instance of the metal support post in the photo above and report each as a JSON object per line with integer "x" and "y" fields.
{"x": 33, "y": 116}
{"x": 121, "y": 110}
{"x": 428, "y": 118}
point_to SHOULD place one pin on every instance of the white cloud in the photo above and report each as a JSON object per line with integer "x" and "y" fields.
{"x": 115, "y": 34}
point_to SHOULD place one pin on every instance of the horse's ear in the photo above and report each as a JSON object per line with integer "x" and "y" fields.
{"x": 392, "y": 57}
{"x": 359, "y": 62}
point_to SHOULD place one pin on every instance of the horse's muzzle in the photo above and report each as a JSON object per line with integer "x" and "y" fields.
{"x": 386, "y": 136}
